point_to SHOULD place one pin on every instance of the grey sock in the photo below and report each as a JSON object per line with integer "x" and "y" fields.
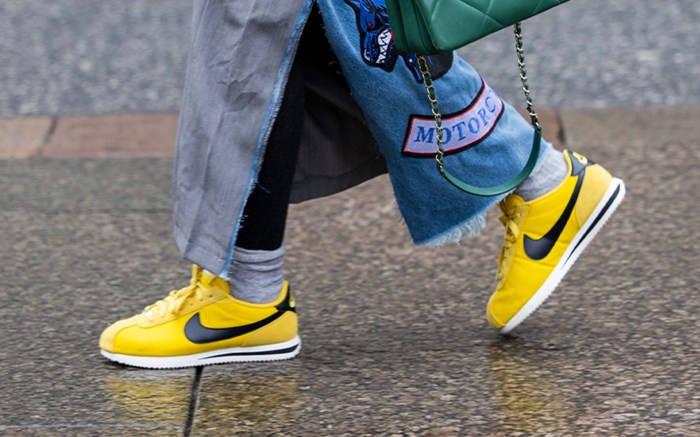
{"x": 551, "y": 173}
{"x": 256, "y": 275}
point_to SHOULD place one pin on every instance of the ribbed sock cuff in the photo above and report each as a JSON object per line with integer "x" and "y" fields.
{"x": 257, "y": 275}
{"x": 551, "y": 173}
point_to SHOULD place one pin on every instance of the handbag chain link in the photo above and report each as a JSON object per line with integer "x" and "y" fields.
{"x": 435, "y": 106}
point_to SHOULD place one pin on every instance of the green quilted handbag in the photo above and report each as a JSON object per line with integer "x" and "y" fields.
{"x": 434, "y": 26}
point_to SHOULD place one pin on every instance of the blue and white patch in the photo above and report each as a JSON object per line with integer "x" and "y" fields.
{"x": 460, "y": 130}
{"x": 377, "y": 41}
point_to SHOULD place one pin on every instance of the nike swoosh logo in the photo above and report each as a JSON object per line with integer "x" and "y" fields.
{"x": 200, "y": 334}
{"x": 540, "y": 248}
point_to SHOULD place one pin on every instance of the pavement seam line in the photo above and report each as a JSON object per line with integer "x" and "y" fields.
{"x": 194, "y": 399}
{"x": 561, "y": 134}
{"x": 48, "y": 136}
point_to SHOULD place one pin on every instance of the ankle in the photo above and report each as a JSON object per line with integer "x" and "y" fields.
{"x": 550, "y": 174}
{"x": 256, "y": 275}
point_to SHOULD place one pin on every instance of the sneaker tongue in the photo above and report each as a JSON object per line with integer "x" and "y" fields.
{"x": 207, "y": 278}
{"x": 512, "y": 201}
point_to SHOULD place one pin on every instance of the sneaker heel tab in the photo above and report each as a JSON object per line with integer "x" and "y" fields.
{"x": 577, "y": 163}
{"x": 288, "y": 303}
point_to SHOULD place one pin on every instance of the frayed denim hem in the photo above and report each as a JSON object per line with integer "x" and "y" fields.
{"x": 469, "y": 229}
{"x": 473, "y": 226}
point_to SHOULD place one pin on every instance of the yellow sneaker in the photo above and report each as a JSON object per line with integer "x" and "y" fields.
{"x": 203, "y": 324}
{"x": 545, "y": 236}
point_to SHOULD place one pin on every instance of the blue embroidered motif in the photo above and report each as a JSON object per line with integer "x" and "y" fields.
{"x": 377, "y": 41}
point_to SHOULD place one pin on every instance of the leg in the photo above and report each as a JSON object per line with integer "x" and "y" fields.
{"x": 266, "y": 210}
{"x": 202, "y": 323}
{"x": 551, "y": 217}
{"x": 486, "y": 140}
{"x": 258, "y": 258}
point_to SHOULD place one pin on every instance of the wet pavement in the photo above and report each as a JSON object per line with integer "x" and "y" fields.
{"x": 395, "y": 342}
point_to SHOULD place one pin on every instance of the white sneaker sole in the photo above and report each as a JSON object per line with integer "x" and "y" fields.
{"x": 606, "y": 207}
{"x": 272, "y": 352}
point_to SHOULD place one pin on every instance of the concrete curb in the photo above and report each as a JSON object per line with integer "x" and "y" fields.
{"x": 91, "y": 136}
{"x": 122, "y": 135}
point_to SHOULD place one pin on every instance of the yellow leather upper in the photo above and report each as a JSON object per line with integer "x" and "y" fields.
{"x": 160, "y": 329}
{"x": 520, "y": 276}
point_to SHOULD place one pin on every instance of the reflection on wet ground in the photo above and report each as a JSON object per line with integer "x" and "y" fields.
{"x": 530, "y": 396}
{"x": 147, "y": 395}
{"x": 248, "y": 399}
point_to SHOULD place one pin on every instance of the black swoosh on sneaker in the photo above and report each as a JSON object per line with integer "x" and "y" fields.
{"x": 200, "y": 334}
{"x": 540, "y": 248}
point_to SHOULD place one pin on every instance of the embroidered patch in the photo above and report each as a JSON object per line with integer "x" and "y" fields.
{"x": 460, "y": 131}
{"x": 377, "y": 41}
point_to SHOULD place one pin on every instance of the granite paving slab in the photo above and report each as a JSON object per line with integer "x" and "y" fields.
{"x": 84, "y": 243}
{"x": 65, "y": 277}
{"x": 115, "y": 184}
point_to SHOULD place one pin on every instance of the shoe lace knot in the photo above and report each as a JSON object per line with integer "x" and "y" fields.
{"x": 197, "y": 289}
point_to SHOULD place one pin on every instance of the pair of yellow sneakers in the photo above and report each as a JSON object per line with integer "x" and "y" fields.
{"x": 203, "y": 324}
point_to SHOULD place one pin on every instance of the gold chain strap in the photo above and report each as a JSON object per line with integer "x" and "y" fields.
{"x": 435, "y": 106}
{"x": 534, "y": 119}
